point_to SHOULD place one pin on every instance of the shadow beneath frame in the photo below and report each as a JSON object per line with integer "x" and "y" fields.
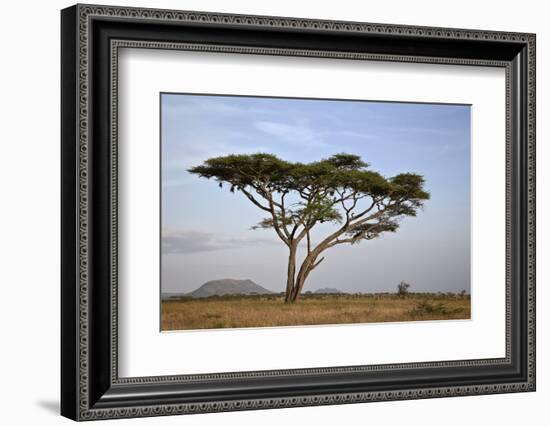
{"x": 50, "y": 406}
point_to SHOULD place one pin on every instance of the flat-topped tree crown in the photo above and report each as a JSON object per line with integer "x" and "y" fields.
{"x": 297, "y": 196}
{"x": 239, "y": 171}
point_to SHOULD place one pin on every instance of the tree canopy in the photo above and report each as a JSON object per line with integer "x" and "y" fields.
{"x": 341, "y": 189}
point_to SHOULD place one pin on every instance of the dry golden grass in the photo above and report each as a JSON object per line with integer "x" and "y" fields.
{"x": 271, "y": 311}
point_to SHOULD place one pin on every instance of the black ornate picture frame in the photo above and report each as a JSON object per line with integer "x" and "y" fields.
{"x": 90, "y": 385}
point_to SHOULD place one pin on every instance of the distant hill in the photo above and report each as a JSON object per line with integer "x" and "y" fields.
{"x": 228, "y": 286}
{"x": 328, "y": 291}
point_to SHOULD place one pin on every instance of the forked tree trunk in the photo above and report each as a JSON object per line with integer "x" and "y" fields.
{"x": 291, "y": 273}
{"x": 305, "y": 269}
{"x": 307, "y": 266}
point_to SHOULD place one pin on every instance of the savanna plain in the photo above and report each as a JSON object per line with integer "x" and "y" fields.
{"x": 242, "y": 311}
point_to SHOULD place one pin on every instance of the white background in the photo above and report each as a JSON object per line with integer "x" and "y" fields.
{"x": 146, "y": 352}
{"x": 29, "y": 225}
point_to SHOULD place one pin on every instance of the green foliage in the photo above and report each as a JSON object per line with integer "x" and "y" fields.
{"x": 318, "y": 210}
{"x": 327, "y": 189}
{"x": 241, "y": 171}
{"x": 266, "y": 172}
{"x": 425, "y": 308}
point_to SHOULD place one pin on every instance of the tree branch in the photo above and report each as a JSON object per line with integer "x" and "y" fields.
{"x": 327, "y": 242}
{"x": 276, "y": 225}
{"x": 256, "y": 202}
{"x": 271, "y": 210}
{"x": 283, "y": 216}
{"x": 316, "y": 264}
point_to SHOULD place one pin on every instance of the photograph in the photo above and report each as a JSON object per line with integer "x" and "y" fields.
{"x": 264, "y": 209}
{"x": 293, "y": 212}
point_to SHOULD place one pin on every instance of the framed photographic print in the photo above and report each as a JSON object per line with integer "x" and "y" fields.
{"x": 263, "y": 212}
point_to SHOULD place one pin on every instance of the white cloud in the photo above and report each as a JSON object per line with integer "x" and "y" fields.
{"x": 348, "y": 133}
{"x": 193, "y": 241}
{"x": 218, "y": 107}
{"x": 301, "y": 133}
{"x": 426, "y": 130}
{"x": 287, "y": 132}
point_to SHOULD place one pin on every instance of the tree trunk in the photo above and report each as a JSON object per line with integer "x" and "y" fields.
{"x": 291, "y": 273}
{"x": 305, "y": 269}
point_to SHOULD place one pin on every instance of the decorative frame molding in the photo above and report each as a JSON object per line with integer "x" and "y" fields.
{"x": 91, "y": 37}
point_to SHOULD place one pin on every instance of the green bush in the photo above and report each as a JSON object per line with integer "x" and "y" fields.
{"x": 425, "y": 308}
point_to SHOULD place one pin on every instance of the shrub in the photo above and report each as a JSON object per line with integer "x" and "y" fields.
{"x": 425, "y": 308}
{"x": 403, "y": 289}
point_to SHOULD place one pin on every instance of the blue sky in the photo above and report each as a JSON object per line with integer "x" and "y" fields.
{"x": 207, "y": 230}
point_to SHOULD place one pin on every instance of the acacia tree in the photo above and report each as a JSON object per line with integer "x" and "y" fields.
{"x": 297, "y": 197}
{"x": 403, "y": 289}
